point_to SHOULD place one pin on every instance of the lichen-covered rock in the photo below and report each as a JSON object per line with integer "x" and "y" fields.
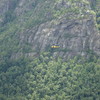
{"x": 43, "y": 23}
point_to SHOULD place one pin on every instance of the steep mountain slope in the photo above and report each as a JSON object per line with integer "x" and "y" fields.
{"x": 30, "y": 26}
{"x": 37, "y": 37}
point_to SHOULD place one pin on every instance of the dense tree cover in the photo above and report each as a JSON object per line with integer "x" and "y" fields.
{"x": 95, "y": 5}
{"x": 47, "y": 78}
{"x": 43, "y": 78}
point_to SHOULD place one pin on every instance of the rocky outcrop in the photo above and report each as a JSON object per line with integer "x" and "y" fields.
{"x": 75, "y": 37}
{"x": 75, "y": 33}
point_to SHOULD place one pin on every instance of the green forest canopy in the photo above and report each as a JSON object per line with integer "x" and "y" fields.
{"x": 46, "y": 78}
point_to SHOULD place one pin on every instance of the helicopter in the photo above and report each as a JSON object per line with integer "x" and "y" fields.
{"x": 55, "y": 46}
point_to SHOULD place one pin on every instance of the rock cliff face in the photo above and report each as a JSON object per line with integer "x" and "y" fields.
{"x": 44, "y": 23}
{"x": 75, "y": 37}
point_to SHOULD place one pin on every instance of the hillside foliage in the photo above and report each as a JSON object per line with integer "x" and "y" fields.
{"x": 44, "y": 77}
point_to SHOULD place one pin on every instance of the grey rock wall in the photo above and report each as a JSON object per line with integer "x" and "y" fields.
{"x": 74, "y": 36}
